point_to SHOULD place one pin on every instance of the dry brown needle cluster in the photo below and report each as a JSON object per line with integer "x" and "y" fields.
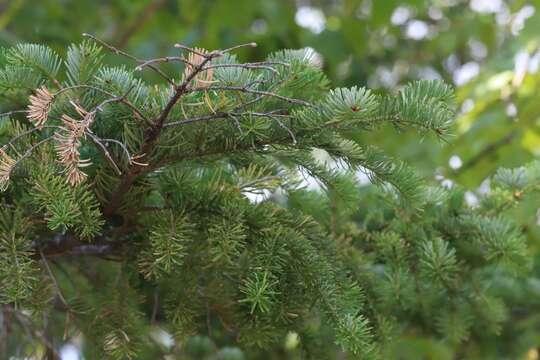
{"x": 68, "y": 138}
{"x": 196, "y": 58}
{"x": 40, "y": 106}
{"x": 7, "y": 163}
{"x": 69, "y": 143}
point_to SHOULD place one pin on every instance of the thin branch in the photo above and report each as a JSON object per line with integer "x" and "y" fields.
{"x": 251, "y": 64}
{"x": 232, "y": 48}
{"x": 251, "y": 91}
{"x": 238, "y": 125}
{"x": 66, "y": 274}
{"x": 53, "y": 278}
{"x": 28, "y": 132}
{"x": 223, "y": 115}
{"x": 155, "y": 307}
{"x": 30, "y": 150}
{"x": 208, "y": 320}
{"x": 122, "y": 146}
{"x": 122, "y": 98}
{"x": 282, "y": 125}
{"x": 9, "y": 113}
{"x": 258, "y": 98}
{"x": 191, "y": 50}
{"x": 98, "y": 141}
{"x": 258, "y": 147}
{"x": 266, "y": 65}
{"x": 129, "y": 56}
{"x": 164, "y": 59}
{"x": 215, "y": 53}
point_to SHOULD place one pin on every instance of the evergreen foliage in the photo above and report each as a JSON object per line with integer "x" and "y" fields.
{"x": 132, "y": 208}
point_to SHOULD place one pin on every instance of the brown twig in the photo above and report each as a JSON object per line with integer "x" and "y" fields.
{"x": 113, "y": 98}
{"x": 223, "y": 115}
{"x": 31, "y": 149}
{"x": 246, "y": 89}
{"x": 164, "y": 59}
{"x": 9, "y": 113}
{"x": 25, "y": 133}
{"x": 266, "y": 65}
{"x": 129, "y": 56}
{"x": 53, "y": 278}
{"x": 106, "y": 152}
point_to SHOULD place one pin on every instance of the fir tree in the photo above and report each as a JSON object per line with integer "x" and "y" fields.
{"x": 131, "y": 208}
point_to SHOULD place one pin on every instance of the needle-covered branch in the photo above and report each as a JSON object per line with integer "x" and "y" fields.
{"x": 185, "y": 203}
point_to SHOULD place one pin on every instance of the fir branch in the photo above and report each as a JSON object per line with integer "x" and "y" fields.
{"x": 153, "y": 133}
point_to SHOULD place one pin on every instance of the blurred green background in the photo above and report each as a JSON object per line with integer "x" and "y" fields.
{"x": 488, "y": 49}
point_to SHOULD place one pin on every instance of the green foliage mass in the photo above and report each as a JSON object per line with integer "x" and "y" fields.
{"x": 193, "y": 217}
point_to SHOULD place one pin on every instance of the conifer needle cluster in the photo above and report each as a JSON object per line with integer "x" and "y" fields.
{"x": 139, "y": 201}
